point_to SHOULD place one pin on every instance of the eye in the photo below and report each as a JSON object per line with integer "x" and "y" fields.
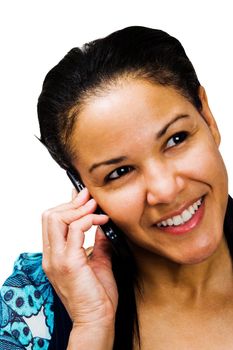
{"x": 119, "y": 172}
{"x": 177, "y": 138}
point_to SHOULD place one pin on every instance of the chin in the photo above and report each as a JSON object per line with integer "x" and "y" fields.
{"x": 198, "y": 255}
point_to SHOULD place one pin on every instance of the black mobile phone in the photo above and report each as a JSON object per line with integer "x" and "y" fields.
{"x": 113, "y": 233}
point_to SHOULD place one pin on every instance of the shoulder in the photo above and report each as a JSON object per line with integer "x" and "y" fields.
{"x": 26, "y": 306}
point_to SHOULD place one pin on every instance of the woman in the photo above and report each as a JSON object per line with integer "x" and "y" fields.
{"x": 127, "y": 115}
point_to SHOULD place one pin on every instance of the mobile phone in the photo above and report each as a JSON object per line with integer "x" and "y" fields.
{"x": 113, "y": 233}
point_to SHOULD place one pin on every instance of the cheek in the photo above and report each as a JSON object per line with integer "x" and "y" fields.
{"x": 124, "y": 207}
{"x": 204, "y": 163}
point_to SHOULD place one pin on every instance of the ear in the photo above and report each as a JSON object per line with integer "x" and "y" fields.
{"x": 208, "y": 116}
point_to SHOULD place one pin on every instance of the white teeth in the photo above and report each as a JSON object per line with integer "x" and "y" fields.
{"x": 191, "y": 209}
{"x": 170, "y": 222}
{"x": 186, "y": 215}
{"x": 177, "y": 220}
{"x": 183, "y": 217}
{"x": 195, "y": 206}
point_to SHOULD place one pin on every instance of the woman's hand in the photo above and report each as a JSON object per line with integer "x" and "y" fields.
{"x": 85, "y": 285}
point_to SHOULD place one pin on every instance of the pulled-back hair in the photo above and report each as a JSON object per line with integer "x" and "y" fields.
{"x": 133, "y": 52}
{"x": 137, "y": 52}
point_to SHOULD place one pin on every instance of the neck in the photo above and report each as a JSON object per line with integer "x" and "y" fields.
{"x": 162, "y": 280}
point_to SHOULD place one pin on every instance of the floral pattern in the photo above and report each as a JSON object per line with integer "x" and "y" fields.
{"x": 26, "y": 306}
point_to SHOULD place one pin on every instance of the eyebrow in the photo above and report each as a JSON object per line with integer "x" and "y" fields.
{"x": 158, "y": 135}
{"x": 163, "y": 131}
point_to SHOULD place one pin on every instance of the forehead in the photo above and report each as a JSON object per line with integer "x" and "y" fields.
{"x": 129, "y": 109}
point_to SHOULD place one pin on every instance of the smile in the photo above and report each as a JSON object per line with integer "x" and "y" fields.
{"x": 185, "y": 216}
{"x": 187, "y": 220}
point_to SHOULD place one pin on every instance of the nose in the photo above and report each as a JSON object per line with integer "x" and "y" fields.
{"x": 163, "y": 184}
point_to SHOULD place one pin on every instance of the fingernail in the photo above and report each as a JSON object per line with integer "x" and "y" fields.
{"x": 104, "y": 215}
{"x": 80, "y": 196}
{"x": 90, "y": 203}
{"x": 83, "y": 192}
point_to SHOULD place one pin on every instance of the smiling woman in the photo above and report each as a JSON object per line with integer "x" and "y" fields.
{"x": 128, "y": 118}
{"x": 163, "y": 132}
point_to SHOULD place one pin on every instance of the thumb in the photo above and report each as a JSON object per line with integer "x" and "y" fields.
{"x": 102, "y": 247}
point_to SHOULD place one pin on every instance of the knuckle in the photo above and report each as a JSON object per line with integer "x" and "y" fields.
{"x": 83, "y": 224}
{"x": 74, "y": 226}
{"x": 45, "y": 215}
{"x": 52, "y": 217}
{"x": 74, "y": 202}
{"x": 90, "y": 219}
{"x": 81, "y": 210}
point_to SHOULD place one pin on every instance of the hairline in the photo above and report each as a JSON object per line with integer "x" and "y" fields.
{"x": 100, "y": 89}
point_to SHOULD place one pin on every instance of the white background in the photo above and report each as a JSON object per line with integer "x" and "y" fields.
{"x": 35, "y": 35}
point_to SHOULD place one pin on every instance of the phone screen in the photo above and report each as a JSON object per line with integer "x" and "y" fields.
{"x": 113, "y": 233}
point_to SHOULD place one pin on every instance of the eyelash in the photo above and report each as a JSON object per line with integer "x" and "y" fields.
{"x": 128, "y": 168}
{"x": 182, "y": 134}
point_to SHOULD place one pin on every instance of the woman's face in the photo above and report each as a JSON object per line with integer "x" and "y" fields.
{"x": 148, "y": 156}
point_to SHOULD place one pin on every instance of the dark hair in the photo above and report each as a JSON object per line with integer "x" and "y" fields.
{"x": 134, "y": 52}
{"x": 137, "y": 52}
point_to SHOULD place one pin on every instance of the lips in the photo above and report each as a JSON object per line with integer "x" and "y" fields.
{"x": 178, "y": 211}
{"x": 186, "y": 226}
{"x": 184, "y": 216}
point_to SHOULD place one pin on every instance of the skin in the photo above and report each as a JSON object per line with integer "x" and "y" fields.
{"x": 161, "y": 177}
{"x": 190, "y": 275}
{"x": 85, "y": 285}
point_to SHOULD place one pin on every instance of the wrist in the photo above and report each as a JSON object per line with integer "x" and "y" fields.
{"x": 97, "y": 337}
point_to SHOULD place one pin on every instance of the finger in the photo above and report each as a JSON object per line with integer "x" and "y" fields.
{"x": 57, "y": 232}
{"x": 59, "y": 222}
{"x": 102, "y": 247}
{"x": 53, "y": 235}
{"x": 75, "y": 237}
{"x": 81, "y": 198}
{"x": 74, "y": 193}
{"x": 73, "y": 214}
